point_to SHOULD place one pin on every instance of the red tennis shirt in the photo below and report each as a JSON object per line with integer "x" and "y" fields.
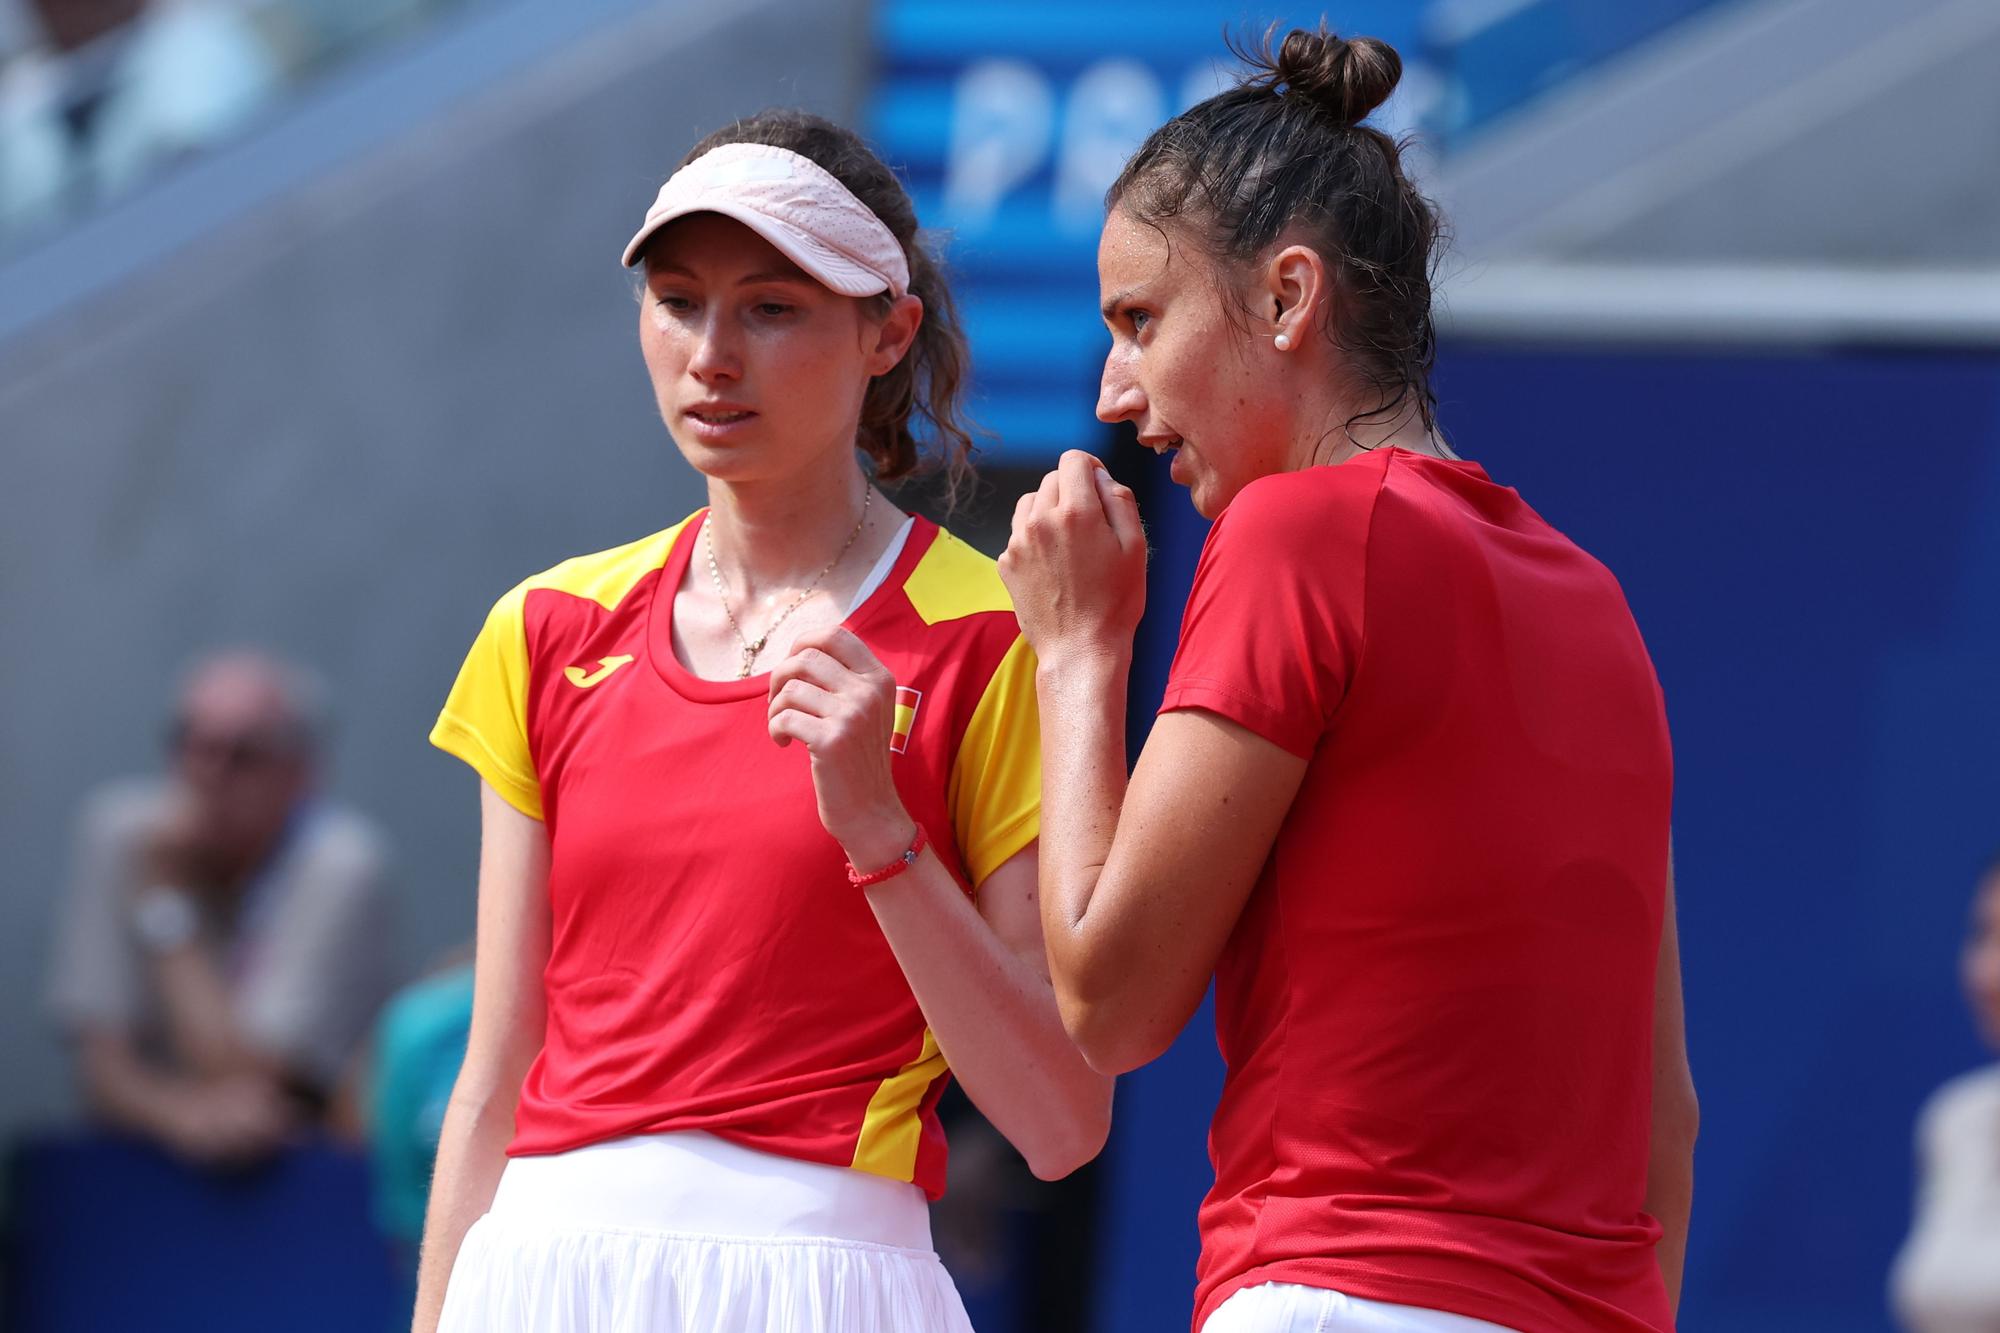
{"x": 710, "y": 966}
{"x": 1436, "y": 1010}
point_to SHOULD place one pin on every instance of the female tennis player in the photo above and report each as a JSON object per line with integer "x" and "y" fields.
{"x": 760, "y": 806}
{"x": 1407, "y": 799}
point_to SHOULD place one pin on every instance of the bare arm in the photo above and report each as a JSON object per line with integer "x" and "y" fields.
{"x": 219, "y": 1112}
{"x": 209, "y": 1121}
{"x": 1144, "y": 885}
{"x": 981, "y": 978}
{"x": 507, "y": 1025}
{"x": 977, "y": 974}
{"x": 127, "y": 1092}
{"x": 1141, "y": 887}
{"x": 225, "y": 1102}
{"x": 1676, "y": 1115}
{"x": 201, "y": 1021}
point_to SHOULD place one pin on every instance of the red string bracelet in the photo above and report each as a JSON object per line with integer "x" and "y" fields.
{"x": 896, "y": 867}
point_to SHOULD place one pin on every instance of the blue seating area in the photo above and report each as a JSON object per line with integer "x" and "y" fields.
{"x": 110, "y": 1234}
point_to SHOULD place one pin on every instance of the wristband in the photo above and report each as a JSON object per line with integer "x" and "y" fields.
{"x": 896, "y": 867}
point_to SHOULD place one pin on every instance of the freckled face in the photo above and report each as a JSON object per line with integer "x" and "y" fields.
{"x": 1188, "y": 377}
{"x": 757, "y": 368}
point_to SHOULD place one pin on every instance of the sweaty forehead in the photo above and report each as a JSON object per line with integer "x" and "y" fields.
{"x": 1131, "y": 252}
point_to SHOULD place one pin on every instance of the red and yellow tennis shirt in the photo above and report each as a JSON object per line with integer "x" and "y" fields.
{"x": 710, "y": 966}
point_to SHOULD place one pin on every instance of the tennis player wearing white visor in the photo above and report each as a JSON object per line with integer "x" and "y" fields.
{"x": 760, "y": 808}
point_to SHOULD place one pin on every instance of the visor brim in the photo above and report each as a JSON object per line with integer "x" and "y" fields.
{"x": 831, "y": 269}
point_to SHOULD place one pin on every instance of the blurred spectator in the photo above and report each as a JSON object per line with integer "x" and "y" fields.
{"x": 51, "y": 99}
{"x": 1947, "y": 1279}
{"x": 14, "y": 29}
{"x": 34, "y": 148}
{"x": 413, "y": 1062}
{"x": 196, "y": 72}
{"x": 72, "y": 25}
{"x": 97, "y": 95}
{"x": 222, "y": 946}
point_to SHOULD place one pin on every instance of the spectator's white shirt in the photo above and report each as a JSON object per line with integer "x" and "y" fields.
{"x": 1947, "y": 1279}
{"x": 305, "y": 954}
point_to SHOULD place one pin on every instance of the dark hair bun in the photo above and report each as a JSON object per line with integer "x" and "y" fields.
{"x": 1346, "y": 77}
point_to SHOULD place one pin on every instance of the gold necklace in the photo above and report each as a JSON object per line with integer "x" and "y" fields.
{"x": 753, "y": 647}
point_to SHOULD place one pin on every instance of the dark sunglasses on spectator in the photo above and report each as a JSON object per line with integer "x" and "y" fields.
{"x": 244, "y": 750}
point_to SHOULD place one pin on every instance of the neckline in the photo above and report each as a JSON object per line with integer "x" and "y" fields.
{"x": 660, "y": 615}
{"x": 878, "y": 573}
{"x": 1456, "y": 464}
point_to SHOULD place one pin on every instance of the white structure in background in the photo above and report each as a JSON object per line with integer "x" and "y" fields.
{"x": 1806, "y": 172}
{"x": 182, "y": 77}
{"x": 34, "y": 148}
{"x": 195, "y": 71}
{"x": 1011, "y": 122}
{"x": 1002, "y": 114}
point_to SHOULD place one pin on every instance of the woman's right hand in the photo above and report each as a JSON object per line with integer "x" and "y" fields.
{"x": 1075, "y": 563}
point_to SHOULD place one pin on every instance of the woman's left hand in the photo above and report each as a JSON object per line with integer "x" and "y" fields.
{"x": 1075, "y": 564}
{"x": 836, "y": 697}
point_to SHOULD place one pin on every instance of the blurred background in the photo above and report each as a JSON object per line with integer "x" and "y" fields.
{"x": 313, "y": 338}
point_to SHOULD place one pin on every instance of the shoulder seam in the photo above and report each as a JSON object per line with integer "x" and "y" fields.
{"x": 947, "y": 584}
{"x": 581, "y": 576}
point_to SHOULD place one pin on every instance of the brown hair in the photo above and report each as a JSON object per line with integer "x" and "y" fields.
{"x": 928, "y": 384}
{"x": 1286, "y": 147}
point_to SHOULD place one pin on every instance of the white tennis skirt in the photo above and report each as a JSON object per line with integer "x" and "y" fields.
{"x": 1286, "y": 1307}
{"x": 687, "y": 1233}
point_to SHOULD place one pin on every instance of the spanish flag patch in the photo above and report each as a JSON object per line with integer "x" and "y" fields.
{"x": 907, "y": 700}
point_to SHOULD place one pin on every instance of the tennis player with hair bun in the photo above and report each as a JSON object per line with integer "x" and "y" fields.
{"x": 1407, "y": 800}
{"x": 760, "y": 804}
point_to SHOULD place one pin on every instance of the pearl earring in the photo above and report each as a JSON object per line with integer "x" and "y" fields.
{"x": 1283, "y": 342}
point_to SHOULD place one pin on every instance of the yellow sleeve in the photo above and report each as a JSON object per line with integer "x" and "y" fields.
{"x": 485, "y": 717}
{"x": 995, "y": 790}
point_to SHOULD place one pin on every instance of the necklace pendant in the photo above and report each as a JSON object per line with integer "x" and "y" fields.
{"x": 750, "y": 650}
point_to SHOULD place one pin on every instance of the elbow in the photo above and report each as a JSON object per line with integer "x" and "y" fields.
{"x": 1117, "y": 1019}
{"x": 1110, "y": 1043}
{"x": 480, "y": 1100}
{"x": 1075, "y": 1144}
{"x": 1686, "y": 1105}
{"x": 1115, "y": 1054}
{"x": 1051, "y": 1166}
{"x": 1676, "y": 1122}
{"x": 485, "y": 1093}
{"x": 1120, "y": 1018}
{"x": 1688, "y": 1124}
{"x": 491, "y": 1075}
